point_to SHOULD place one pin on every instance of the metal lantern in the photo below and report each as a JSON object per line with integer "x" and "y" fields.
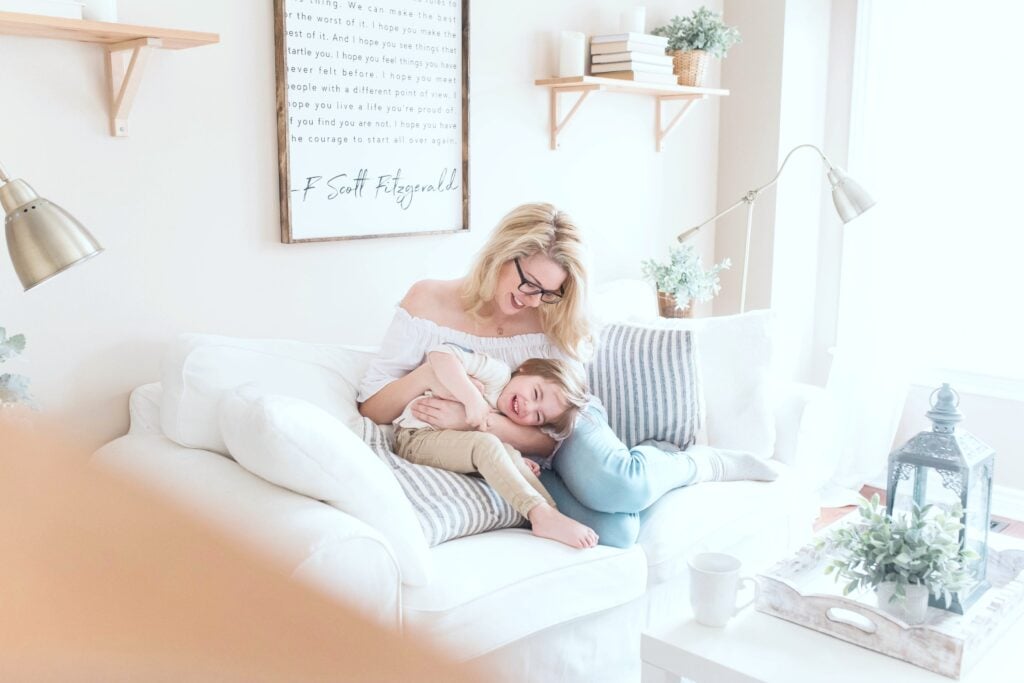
{"x": 943, "y": 467}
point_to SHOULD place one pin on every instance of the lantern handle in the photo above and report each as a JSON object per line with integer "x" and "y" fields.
{"x": 931, "y": 399}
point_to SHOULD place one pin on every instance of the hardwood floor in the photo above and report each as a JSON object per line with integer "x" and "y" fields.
{"x": 1013, "y": 527}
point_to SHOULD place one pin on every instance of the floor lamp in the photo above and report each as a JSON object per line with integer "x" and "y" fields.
{"x": 42, "y": 238}
{"x": 850, "y": 199}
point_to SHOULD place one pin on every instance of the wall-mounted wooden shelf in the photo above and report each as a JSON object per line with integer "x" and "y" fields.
{"x": 584, "y": 85}
{"x": 127, "y": 48}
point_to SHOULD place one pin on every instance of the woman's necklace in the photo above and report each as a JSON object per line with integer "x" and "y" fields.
{"x": 499, "y": 328}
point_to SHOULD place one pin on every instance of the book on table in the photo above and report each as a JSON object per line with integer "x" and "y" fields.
{"x": 626, "y": 46}
{"x": 631, "y": 66}
{"x": 641, "y": 76}
{"x": 645, "y": 57}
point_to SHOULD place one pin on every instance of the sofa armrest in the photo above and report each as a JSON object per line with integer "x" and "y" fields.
{"x": 805, "y": 432}
{"x": 310, "y": 540}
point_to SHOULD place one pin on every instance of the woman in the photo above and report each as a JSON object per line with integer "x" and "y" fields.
{"x": 525, "y": 298}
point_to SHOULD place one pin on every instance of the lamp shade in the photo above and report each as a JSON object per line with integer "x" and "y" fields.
{"x": 851, "y": 199}
{"x": 42, "y": 238}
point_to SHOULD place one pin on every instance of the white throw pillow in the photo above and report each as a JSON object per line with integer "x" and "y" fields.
{"x": 738, "y": 378}
{"x": 298, "y": 446}
{"x": 200, "y": 368}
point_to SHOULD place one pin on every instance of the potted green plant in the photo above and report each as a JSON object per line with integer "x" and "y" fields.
{"x": 692, "y": 40}
{"x": 13, "y": 388}
{"x": 682, "y": 280}
{"x": 904, "y": 558}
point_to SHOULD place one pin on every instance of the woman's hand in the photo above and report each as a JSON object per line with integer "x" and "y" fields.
{"x": 441, "y": 413}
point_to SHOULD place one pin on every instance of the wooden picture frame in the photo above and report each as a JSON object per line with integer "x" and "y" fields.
{"x": 364, "y": 202}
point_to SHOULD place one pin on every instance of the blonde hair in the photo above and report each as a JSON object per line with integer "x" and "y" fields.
{"x": 565, "y": 377}
{"x": 536, "y": 229}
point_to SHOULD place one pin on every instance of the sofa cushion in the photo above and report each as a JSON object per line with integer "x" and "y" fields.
{"x": 492, "y": 589}
{"x": 649, "y": 382}
{"x": 199, "y": 368}
{"x": 738, "y": 376}
{"x": 448, "y": 504}
{"x": 300, "y": 447}
{"x": 718, "y": 515}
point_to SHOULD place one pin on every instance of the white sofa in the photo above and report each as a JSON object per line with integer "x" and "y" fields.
{"x": 527, "y": 608}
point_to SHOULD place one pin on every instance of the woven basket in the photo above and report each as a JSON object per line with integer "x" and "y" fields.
{"x": 667, "y": 307}
{"x": 690, "y": 66}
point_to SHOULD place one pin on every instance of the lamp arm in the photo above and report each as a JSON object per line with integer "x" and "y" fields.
{"x": 3, "y": 175}
{"x": 683, "y": 235}
{"x": 752, "y": 195}
{"x": 783, "y": 165}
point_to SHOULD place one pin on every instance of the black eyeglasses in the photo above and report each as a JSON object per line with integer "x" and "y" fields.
{"x": 532, "y": 288}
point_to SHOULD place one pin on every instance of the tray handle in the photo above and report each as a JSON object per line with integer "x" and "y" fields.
{"x": 841, "y": 615}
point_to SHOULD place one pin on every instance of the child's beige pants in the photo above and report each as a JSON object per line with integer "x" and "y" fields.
{"x": 501, "y": 465}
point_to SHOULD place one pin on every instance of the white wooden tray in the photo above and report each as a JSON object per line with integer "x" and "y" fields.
{"x": 798, "y": 590}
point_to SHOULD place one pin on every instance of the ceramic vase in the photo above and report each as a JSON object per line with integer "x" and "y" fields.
{"x": 912, "y": 610}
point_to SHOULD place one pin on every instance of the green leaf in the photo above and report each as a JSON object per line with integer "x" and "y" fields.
{"x": 684, "y": 275}
{"x": 10, "y": 346}
{"x": 13, "y": 389}
{"x": 701, "y": 30}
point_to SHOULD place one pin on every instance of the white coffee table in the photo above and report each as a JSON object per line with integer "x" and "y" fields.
{"x": 756, "y": 647}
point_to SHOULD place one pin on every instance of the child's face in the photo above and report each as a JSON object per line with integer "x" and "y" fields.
{"x": 530, "y": 400}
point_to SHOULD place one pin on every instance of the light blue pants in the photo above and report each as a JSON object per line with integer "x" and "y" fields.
{"x": 598, "y": 481}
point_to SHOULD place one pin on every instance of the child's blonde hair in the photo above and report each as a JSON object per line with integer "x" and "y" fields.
{"x": 565, "y": 377}
{"x": 537, "y": 229}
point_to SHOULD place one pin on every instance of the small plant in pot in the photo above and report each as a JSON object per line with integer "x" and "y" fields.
{"x": 902, "y": 558}
{"x": 682, "y": 280}
{"x": 693, "y": 40}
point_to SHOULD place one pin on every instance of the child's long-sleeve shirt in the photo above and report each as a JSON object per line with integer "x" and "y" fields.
{"x": 491, "y": 372}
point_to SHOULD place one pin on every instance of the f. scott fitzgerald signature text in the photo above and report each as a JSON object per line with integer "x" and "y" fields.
{"x": 361, "y": 185}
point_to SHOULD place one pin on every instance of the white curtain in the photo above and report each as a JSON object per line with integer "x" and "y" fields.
{"x": 931, "y": 276}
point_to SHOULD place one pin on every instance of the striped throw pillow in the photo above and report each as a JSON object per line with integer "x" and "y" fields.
{"x": 448, "y": 504}
{"x": 648, "y": 381}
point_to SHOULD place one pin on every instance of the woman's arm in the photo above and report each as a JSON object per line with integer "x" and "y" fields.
{"x": 442, "y": 414}
{"x": 388, "y": 403}
{"x": 525, "y": 439}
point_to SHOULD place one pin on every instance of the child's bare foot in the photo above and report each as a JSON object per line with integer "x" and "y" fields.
{"x": 548, "y": 522}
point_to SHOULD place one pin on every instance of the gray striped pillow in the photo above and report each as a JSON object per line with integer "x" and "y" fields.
{"x": 448, "y": 504}
{"x": 648, "y": 381}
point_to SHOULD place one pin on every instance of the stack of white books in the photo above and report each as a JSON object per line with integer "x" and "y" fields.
{"x": 631, "y": 56}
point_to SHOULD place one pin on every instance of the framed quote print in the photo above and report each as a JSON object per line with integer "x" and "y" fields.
{"x": 372, "y": 117}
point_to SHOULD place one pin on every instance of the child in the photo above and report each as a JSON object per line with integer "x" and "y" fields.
{"x": 539, "y": 392}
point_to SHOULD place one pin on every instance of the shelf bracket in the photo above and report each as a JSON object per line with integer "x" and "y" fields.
{"x": 662, "y": 133}
{"x": 126, "y": 63}
{"x": 558, "y": 126}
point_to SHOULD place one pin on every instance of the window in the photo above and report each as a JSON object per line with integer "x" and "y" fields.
{"x": 937, "y": 136}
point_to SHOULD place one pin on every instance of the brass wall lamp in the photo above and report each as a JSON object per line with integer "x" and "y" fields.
{"x": 42, "y": 238}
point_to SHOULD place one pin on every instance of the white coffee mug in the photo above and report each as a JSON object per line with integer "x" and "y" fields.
{"x": 714, "y": 583}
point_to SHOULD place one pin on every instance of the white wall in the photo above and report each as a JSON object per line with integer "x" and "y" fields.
{"x": 780, "y": 73}
{"x": 187, "y": 208}
{"x": 749, "y": 152}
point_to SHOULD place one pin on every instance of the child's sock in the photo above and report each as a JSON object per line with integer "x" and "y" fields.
{"x": 719, "y": 464}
